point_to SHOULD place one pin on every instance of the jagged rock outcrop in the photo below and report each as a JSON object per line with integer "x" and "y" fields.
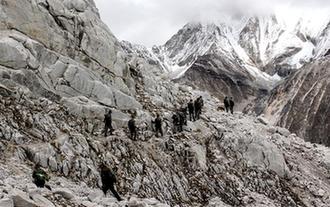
{"x": 62, "y": 49}
{"x": 301, "y": 103}
{"x": 221, "y": 77}
{"x": 240, "y": 160}
{"x": 208, "y": 57}
{"x": 264, "y": 48}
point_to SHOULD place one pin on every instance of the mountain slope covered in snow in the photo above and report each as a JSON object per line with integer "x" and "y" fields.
{"x": 247, "y": 58}
{"x": 243, "y": 59}
{"x": 258, "y": 44}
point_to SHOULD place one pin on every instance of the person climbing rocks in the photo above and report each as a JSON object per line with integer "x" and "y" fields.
{"x": 226, "y": 103}
{"x": 132, "y": 128}
{"x": 108, "y": 123}
{"x": 183, "y": 115}
{"x": 196, "y": 107}
{"x": 191, "y": 110}
{"x": 108, "y": 181}
{"x": 199, "y": 103}
{"x": 40, "y": 177}
{"x": 231, "y": 105}
{"x": 158, "y": 125}
{"x": 182, "y": 120}
{"x": 176, "y": 123}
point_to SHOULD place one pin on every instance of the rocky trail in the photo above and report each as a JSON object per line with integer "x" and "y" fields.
{"x": 220, "y": 160}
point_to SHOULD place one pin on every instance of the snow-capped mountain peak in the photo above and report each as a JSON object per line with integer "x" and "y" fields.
{"x": 268, "y": 45}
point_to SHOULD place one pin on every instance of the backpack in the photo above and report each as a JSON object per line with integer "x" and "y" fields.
{"x": 158, "y": 122}
{"x": 131, "y": 124}
{"x": 40, "y": 175}
{"x": 107, "y": 176}
{"x": 191, "y": 106}
{"x": 107, "y": 118}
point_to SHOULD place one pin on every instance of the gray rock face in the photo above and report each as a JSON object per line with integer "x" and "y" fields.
{"x": 61, "y": 68}
{"x": 62, "y": 26}
{"x": 41, "y": 201}
{"x": 65, "y": 193}
{"x": 232, "y": 157}
{"x": 300, "y": 104}
{"x": 21, "y": 199}
{"x": 12, "y": 54}
{"x": 61, "y": 49}
{"x": 6, "y": 202}
{"x": 258, "y": 47}
{"x": 221, "y": 77}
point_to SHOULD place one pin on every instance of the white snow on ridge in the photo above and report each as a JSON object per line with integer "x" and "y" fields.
{"x": 272, "y": 38}
{"x": 262, "y": 75}
{"x": 178, "y": 71}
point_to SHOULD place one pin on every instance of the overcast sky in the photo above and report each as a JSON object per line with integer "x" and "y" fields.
{"x": 153, "y": 22}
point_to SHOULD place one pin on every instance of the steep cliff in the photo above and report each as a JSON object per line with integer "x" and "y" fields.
{"x": 61, "y": 49}
{"x": 301, "y": 103}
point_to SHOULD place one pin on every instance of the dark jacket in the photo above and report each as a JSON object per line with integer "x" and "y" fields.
{"x": 196, "y": 105}
{"x": 158, "y": 122}
{"x": 191, "y": 106}
{"x": 107, "y": 118}
{"x": 107, "y": 177}
{"x": 131, "y": 125}
{"x": 40, "y": 174}
{"x": 176, "y": 119}
{"x": 201, "y": 102}
{"x": 226, "y": 102}
{"x": 231, "y": 103}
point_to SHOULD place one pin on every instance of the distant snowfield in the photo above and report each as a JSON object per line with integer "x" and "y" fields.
{"x": 253, "y": 44}
{"x": 299, "y": 40}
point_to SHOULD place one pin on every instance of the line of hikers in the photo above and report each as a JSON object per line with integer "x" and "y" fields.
{"x": 194, "y": 110}
{"x": 179, "y": 118}
{"x": 40, "y": 177}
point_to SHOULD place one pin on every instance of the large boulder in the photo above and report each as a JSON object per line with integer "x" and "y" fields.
{"x": 22, "y": 199}
{"x": 41, "y": 201}
{"x": 12, "y": 54}
{"x": 263, "y": 153}
{"x": 65, "y": 193}
{"x": 6, "y": 202}
{"x": 78, "y": 5}
{"x": 125, "y": 102}
{"x": 83, "y": 107}
{"x": 217, "y": 202}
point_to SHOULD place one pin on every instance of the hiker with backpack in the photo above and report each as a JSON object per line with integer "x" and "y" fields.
{"x": 199, "y": 103}
{"x": 177, "y": 127}
{"x": 132, "y": 128}
{"x": 40, "y": 177}
{"x": 108, "y": 123}
{"x": 108, "y": 181}
{"x": 226, "y": 104}
{"x": 158, "y": 125}
{"x": 191, "y": 110}
{"x": 231, "y": 105}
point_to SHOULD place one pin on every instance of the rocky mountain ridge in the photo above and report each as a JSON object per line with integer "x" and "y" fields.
{"x": 301, "y": 103}
{"x": 240, "y": 161}
{"x": 265, "y": 43}
{"x": 244, "y": 60}
{"x": 248, "y": 59}
{"x": 61, "y": 67}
